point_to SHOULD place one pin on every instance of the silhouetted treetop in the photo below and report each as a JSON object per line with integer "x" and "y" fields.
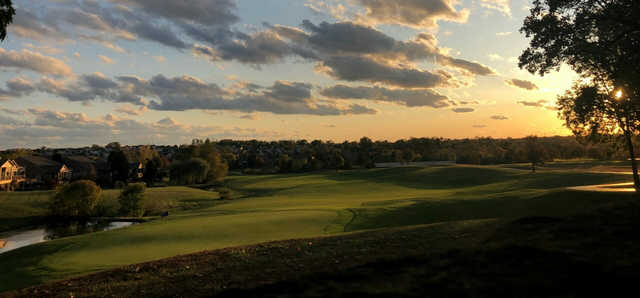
{"x": 595, "y": 37}
{"x": 6, "y": 17}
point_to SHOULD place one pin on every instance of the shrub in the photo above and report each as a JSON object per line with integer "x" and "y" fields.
{"x": 225, "y": 193}
{"x": 130, "y": 200}
{"x": 78, "y": 199}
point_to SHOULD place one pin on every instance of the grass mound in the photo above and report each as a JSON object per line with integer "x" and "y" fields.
{"x": 576, "y": 256}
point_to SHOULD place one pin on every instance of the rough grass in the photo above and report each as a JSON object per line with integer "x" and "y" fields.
{"x": 280, "y": 207}
{"x": 596, "y": 254}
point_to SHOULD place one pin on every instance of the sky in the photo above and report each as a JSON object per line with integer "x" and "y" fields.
{"x": 82, "y": 72}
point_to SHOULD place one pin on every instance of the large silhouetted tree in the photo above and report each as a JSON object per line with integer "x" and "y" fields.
{"x": 6, "y": 17}
{"x": 599, "y": 39}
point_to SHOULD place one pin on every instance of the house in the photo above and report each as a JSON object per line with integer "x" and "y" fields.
{"x": 136, "y": 170}
{"x": 82, "y": 167}
{"x": 41, "y": 171}
{"x": 12, "y": 175}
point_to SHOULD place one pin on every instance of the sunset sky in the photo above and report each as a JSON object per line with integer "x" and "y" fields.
{"x": 82, "y": 72}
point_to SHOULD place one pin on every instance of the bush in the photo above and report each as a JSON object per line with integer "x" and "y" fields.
{"x": 130, "y": 200}
{"x": 225, "y": 193}
{"x": 78, "y": 199}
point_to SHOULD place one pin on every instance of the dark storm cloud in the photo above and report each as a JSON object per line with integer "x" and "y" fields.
{"x": 411, "y": 98}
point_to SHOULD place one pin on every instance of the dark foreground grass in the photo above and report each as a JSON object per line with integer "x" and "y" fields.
{"x": 596, "y": 254}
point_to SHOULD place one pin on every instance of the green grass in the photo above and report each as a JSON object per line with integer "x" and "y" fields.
{"x": 24, "y": 209}
{"x": 280, "y": 207}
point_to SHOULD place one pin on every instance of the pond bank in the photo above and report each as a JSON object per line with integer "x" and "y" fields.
{"x": 55, "y": 230}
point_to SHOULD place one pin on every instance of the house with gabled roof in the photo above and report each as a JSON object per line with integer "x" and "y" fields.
{"x": 12, "y": 175}
{"x": 42, "y": 171}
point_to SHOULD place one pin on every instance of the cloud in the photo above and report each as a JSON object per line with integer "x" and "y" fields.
{"x": 495, "y": 57}
{"x": 7, "y": 120}
{"x": 463, "y": 110}
{"x": 131, "y": 110}
{"x": 410, "y": 98}
{"x": 186, "y": 93}
{"x": 326, "y": 41}
{"x": 26, "y": 24}
{"x": 160, "y": 59}
{"x": 501, "y": 6}
{"x": 521, "y": 84}
{"x": 504, "y": 33}
{"x": 17, "y": 87}
{"x": 499, "y": 117}
{"x": 106, "y": 59}
{"x": 339, "y": 38}
{"x": 479, "y": 126}
{"x": 260, "y": 48}
{"x": 536, "y": 104}
{"x": 33, "y": 61}
{"x": 468, "y": 102}
{"x": 42, "y": 127}
{"x": 365, "y": 69}
{"x": 472, "y": 67}
{"x": 203, "y": 12}
{"x": 413, "y": 13}
{"x": 283, "y": 97}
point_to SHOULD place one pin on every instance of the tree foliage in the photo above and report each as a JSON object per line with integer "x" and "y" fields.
{"x": 192, "y": 171}
{"x": 6, "y": 17}
{"x": 118, "y": 165}
{"x": 217, "y": 167}
{"x": 130, "y": 199}
{"x": 77, "y": 199}
{"x": 535, "y": 152}
{"x": 599, "y": 39}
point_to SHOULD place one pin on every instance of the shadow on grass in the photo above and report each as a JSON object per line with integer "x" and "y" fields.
{"x": 433, "y": 211}
{"x": 23, "y": 267}
{"x": 430, "y": 178}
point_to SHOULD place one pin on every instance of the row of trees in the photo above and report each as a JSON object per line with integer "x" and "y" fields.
{"x": 301, "y": 156}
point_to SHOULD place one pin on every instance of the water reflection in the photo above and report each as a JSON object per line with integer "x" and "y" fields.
{"x": 54, "y": 231}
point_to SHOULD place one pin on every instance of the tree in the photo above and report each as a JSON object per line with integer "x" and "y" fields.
{"x": 130, "y": 199}
{"x": 78, "y": 199}
{"x": 192, "y": 171}
{"x": 535, "y": 152}
{"x": 152, "y": 170}
{"x": 337, "y": 162}
{"x": 599, "y": 39}
{"x": 6, "y": 17}
{"x": 119, "y": 166}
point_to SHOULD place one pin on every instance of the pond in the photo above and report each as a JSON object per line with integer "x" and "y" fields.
{"x": 15, "y": 240}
